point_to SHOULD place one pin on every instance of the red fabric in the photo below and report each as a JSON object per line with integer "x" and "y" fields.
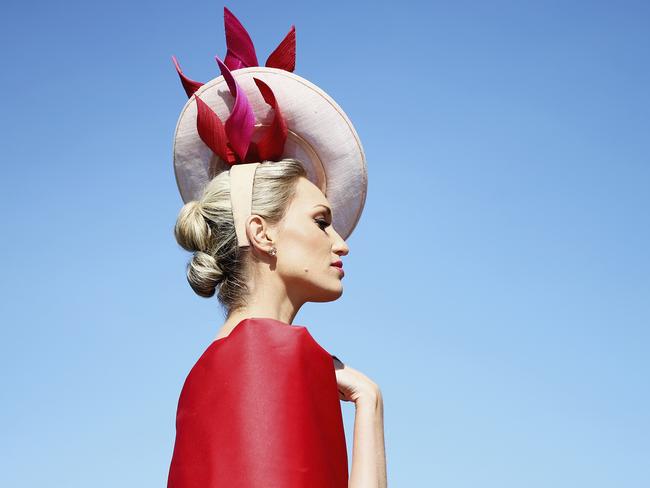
{"x": 260, "y": 408}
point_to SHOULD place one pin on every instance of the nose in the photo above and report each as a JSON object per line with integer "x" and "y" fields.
{"x": 340, "y": 247}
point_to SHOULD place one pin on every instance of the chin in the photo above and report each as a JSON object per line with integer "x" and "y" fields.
{"x": 328, "y": 294}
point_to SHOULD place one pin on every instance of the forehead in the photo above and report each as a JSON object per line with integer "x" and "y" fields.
{"x": 308, "y": 195}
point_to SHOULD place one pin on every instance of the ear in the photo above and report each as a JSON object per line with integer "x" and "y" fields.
{"x": 260, "y": 234}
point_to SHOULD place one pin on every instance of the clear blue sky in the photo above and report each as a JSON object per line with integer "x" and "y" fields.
{"x": 498, "y": 283}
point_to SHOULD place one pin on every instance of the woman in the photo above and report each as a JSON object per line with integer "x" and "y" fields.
{"x": 261, "y": 407}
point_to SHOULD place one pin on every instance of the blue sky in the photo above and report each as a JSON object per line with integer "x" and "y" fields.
{"x": 498, "y": 282}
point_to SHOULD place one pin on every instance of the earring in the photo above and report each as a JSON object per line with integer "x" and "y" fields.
{"x": 273, "y": 251}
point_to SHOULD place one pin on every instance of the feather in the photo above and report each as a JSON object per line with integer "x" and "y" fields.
{"x": 284, "y": 56}
{"x": 211, "y": 130}
{"x": 240, "y": 52}
{"x": 190, "y": 86}
{"x": 241, "y": 122}
{"x": 271, "y": 145}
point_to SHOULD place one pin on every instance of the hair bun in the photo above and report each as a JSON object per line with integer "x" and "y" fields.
{"x": 204, "y": 274}
{"x": 192, "y": 230}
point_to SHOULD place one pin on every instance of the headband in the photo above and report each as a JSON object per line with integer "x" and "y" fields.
{"x": 241, "y": 198}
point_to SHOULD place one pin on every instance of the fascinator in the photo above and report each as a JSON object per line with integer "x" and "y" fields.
{"x": 251, "y": 114}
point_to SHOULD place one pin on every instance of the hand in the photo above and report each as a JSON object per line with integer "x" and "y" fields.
{"x": 353, "y": 385}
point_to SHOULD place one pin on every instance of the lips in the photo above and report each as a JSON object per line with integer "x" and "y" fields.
{"x": 339, "y": 265}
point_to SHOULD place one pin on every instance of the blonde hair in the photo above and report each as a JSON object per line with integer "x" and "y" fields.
{"x": 205, "y": 227}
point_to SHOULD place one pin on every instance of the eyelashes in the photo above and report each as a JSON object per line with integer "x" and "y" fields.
{"x": 322, "y": 223}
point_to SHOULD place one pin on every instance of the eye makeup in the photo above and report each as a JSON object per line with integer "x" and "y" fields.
{"x": 322, "y": 223}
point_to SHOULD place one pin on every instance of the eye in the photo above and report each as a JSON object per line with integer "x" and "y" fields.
{"x": 322, "y": 223}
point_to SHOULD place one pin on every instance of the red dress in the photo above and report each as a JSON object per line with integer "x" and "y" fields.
{"x": 260, "y": 408}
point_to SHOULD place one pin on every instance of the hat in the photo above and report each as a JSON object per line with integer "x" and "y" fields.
{"x": 270, "y": 114}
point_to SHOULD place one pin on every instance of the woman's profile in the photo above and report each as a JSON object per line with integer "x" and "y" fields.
{"x": 270, "y": 197}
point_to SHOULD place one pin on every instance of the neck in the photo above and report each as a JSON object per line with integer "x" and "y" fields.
{"x": 267, "y": 300}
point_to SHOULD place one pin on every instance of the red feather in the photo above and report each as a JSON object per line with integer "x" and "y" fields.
{"x": 190, "y": 86}
{"x": 284, "y": 56}
{"x": 271, "y": 145}
{"x": 240, "y": 49}
{"x": 212, "y": 132}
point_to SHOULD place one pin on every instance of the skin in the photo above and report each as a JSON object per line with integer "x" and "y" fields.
{"x": 300, "y": 272}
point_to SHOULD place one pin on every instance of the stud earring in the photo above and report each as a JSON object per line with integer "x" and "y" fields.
{"x": 273, "y": 251}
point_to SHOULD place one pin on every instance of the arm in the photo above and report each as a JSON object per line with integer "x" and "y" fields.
{"x": 368, "y": 454}
{"x": 368, "y": 451}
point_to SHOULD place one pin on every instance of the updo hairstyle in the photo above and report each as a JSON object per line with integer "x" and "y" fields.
{"x": 206, "y": 228}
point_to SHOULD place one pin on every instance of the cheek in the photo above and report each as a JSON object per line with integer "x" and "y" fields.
{"x": 305, "y": 253}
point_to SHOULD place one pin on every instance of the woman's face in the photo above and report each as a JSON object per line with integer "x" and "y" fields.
{"x": 307, "y": 246}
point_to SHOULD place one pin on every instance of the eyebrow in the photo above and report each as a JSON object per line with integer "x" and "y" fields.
{"x": 329, "y": 211}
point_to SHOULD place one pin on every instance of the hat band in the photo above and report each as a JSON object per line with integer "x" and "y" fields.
{"x": 241, "y": 197}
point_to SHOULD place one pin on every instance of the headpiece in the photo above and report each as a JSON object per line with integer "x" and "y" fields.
{"x": 295, "y": 119}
